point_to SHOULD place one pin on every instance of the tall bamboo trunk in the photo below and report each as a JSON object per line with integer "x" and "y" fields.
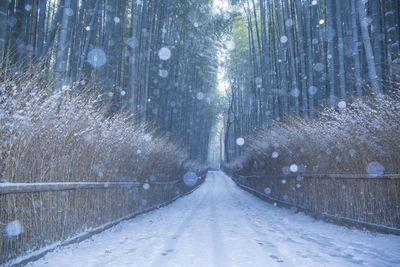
{"x": 376, "y": 38}
{"x": 3, "y": 27}
{"x": 310, "y": 57}
{"x": 62, "y": 45}
{"x": 282, "y": 69}
{"x": 342, "y": 81}
{"x": 367, "y": 46}
{"x": 303, "y": 75}
{"x": 331, "y": 47}
{"x": 356, "y": 54}
{"x": 294, "y": 84}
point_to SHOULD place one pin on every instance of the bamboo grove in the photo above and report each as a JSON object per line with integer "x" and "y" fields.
{"x": 151, "y": 58}
{"x": 293, "y": 57}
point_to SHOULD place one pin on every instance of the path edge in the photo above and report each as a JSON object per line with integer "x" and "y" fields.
{"x": 36, "y": 255}
{"x": 341, "y": 221}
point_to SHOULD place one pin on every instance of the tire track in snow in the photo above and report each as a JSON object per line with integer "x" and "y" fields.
{"x": 172, "y": 241}
{"x": 263, "y": 239}
{"x": 218, "y": 247}
{"x": 311, "y": 246}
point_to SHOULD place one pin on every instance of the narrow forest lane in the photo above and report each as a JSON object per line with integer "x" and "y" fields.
{"x": 221, "y": 225}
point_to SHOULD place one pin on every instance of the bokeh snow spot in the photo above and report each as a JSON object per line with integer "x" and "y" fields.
{"x": 146, "y": 186}
{"x": 267, "y": 190}
{"x": 293, "y": 168}
{"x": 190, "y": 178}
{"x": 375, "y": 168}
{"x": 342, "y": 105}
{"x": 240, "y": 141}
{"x": 13, "y": 229}
{"x": 319, "y": 67}
{"x": 164, "y": 53}
{"x": 96, "y": 57}
{"x": 312, "y": 90}
{"x": 200, "y": 96}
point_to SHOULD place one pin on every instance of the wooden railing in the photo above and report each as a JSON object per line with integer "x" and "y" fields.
{"x": 36, "y": 218}
{"x": 362, "y": 201}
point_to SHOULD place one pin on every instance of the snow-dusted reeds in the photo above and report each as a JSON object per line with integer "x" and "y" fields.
{"x": 63, "y": 134}
{"x": 345, "y": 163}
{"x": 358, "y": 138}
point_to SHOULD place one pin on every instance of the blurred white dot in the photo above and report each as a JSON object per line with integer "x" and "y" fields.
{"x": 28, "y": 7}
{"x": 190, "y": 178}
{"x": 96, "y": 57}
{"x": 200, "y": 96}
{"x": 293, "y": 168}
{"x": 321, "y": 21}
{"x": 312, "y": 90}
{"x": 69, "y": 12}
{"x": 240, "y": 141}
{"x": 267, "y": 190}
{"x": 164, "y": 53}
{"x": 283, "y": 181}
{"x": 146, "y": 186}
{"x": 13, "y": 229}
{"x": 289, "y": 23}
{"x": 284, "y": 39}
{"x": 319, "y": 67}
{"x": 117, "y": 20}
{"x": 375, "y": 168}
{"x": 163, "y": 73}
{"x": 342, "y": 104}
{"x": 295, "y": 92}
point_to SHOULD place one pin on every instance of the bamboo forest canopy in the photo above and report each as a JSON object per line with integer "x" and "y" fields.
{"x": 293, "y": 57}
{"x": 152, "y": 58}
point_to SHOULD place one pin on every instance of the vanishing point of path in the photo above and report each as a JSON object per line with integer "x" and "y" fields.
{"x": 221, "y": 225}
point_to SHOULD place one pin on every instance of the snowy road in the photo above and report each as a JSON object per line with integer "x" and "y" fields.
{"x": 221, "y": 225}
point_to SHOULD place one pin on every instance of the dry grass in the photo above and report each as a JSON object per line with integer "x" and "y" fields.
{"x": 361, "y": 142}
{"x": 62, "y": 135}
{"x": 339, "y": 141}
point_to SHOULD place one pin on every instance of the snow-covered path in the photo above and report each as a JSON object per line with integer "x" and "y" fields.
{"x": 221, "y": 225}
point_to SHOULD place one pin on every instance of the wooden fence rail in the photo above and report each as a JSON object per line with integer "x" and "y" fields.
{"x": 51, "y": 214}
{"x": 366, "y": 202}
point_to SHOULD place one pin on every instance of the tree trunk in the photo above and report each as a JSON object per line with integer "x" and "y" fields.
{"x": 3, "y": 27}
{"x": 331, "y": 47}
{"x": 376, "y": 38}
{"x": 356, "y": 55}
{"x": 368, "y": 47}
{"x": 41, "y": 27}
{"x": 342, "y": 81}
